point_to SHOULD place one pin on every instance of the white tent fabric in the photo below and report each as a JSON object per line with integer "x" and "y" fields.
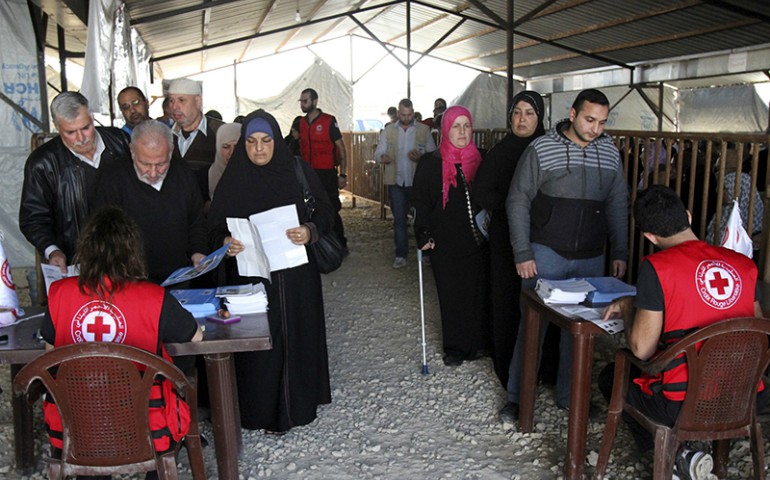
{"x": 485, "y": 98}
{"x": 99, "y": 51}
{"x": 734, "y": 109}
{"x": 19, "y": 76}
{"x": 335, "y": 97}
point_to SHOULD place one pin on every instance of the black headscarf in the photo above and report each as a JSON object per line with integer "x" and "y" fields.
{"x": 518, "y": 144}
{"x": 246, "y": 189}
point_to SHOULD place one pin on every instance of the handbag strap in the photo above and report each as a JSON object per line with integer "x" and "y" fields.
{"x": 302, "y": 179}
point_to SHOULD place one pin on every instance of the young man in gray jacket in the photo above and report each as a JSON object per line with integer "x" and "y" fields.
{"x": 567, "y": 196}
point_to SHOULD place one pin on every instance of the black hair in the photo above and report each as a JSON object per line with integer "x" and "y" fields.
{"x": 659, "y": 210}
{"x": 591, "y": 95}
{"x": 136, "y": 89}
{"x": 313, "y": 94}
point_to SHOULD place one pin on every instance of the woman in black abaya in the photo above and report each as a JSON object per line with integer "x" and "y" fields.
{"x": 490, "y": 191}
{"x": 279, "y": 388}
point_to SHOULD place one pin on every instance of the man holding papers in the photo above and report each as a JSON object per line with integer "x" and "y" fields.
{"x": 161, "y": 194}
{"x": 687, "y": 285}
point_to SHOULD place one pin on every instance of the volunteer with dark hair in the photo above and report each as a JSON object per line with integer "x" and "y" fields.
{"x": 444, "y": 224}
{"x": 111, "y": 301}
{"x": 568, "y": 195}
{"x": 490, "y": 191}
{"x": 280, "y": 388}
{"x": 687, "y": 285}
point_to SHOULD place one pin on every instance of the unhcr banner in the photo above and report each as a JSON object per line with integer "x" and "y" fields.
{"x": 21, "y": 86}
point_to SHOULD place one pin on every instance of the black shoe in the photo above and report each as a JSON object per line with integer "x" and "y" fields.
{"x": 452, "y": 361}
{"x": 594, "y": 412}
{"x": 510, "y": 412}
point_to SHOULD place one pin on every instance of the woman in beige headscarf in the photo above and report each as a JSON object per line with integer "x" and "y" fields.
{"x": 227, "y": 136}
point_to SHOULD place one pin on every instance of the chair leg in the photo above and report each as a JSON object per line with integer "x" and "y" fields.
{"x": 192, "y": 441}
{"x": 54, "y": 470}
{"x": 721, "y": 455}
{"x": 610, "y": 430}
{"x": 167, "y": 467}
{"x": 758, "y": 451}
{"x": 665, "y": 452}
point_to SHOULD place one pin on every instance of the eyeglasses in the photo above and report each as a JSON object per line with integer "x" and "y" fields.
{"x": 132, "y": 103}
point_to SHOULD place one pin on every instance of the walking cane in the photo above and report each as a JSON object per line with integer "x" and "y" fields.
{"x": 422, "y": 314}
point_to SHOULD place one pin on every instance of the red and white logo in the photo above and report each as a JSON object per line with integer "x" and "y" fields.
{"x": 5, "y": 275}
{"x": 718, "y": 283}
{"x": 98, "y": 321}
{"x": 319, "y": 128}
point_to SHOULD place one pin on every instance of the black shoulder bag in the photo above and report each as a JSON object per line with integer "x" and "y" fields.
{"x": 328, "y": 250}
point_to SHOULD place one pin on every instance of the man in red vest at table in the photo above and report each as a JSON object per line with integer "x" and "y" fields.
{"x": 321, "y": 145}
{"x": 685, "y": 286}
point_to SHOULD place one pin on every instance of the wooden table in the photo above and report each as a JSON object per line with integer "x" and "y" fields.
{"x": 20, "y": 343}
{"x": 583, "y": 333}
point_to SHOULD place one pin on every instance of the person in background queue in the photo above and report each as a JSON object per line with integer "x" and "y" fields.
{"x": 490, "y": 192}
{"x": 134, "y": 107}
{"x": 61, "y": 175}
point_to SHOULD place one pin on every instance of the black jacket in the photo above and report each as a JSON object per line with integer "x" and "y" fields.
{"x": 55, "y": 197}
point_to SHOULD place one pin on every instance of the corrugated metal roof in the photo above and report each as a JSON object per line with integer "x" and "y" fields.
{"x": 549, "y": 38}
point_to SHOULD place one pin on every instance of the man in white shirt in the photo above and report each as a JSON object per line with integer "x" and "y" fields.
{"x": 400, "y": 147}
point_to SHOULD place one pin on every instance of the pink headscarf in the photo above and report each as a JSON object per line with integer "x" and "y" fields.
{"x": 469, "y": 157}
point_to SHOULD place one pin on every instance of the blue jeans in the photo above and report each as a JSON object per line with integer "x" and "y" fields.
{"x": 400, "y": 201}
{"x": 552, "y": 266}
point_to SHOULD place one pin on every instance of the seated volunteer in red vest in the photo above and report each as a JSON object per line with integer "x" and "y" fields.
{"x": 111, "y": 301}
{"x": 686, "y": 285}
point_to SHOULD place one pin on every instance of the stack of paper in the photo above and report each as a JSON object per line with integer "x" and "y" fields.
{"x": 243, "y": 299}
{"x": 199, "y": 301}
{"x": 608, "y": 289}
{"x": 573, "y": 290}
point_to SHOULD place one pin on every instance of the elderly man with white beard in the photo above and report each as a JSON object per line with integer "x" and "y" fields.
{"x": 61, "y": 175}
{"x": 161, "y": 194}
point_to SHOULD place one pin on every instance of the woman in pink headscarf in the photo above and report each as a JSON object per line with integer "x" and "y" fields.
{"x": 444, "y": 223}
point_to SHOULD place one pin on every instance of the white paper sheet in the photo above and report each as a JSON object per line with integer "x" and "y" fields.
{"x": 593, "y": 315}
{"x": 52, "y": 273}
{"x": 272, "y": 226}
{"x": 252, "y": 261}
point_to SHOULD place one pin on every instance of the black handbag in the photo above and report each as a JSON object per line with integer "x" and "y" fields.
{"x": 328, "y": 250}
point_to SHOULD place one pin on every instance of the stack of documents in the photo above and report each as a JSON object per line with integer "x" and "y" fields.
{"x": 243, "y": 299}
{"x": 608, "y": 289}
{"x": 198, "y": 301}
{"x": 573, "y": 290}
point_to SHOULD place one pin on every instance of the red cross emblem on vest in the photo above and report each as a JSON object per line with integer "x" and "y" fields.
{"x": 718, "y": 283}
{"x": 98, "y": 321}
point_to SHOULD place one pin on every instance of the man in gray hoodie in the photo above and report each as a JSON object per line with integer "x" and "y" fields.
{"x": 567, "y": 196}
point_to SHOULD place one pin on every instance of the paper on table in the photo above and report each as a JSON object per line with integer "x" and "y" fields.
{"x": 593, "y": 315}
{"x": 252, "y": 261}
{"x": 52, "y": 273}
{"x": 272, "y": 225}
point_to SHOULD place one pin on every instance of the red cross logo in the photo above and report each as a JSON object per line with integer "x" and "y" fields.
{"x": 98, "y": 321}
{"x": 719, "y": 283}
{"x": 98, "y": 328}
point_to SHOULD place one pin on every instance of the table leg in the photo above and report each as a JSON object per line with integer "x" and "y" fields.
{"x": 580, "y": 400}
{"x": 225, "y": 419}
{"x": 529, "y": 369}
{"x": 24, "y": 446}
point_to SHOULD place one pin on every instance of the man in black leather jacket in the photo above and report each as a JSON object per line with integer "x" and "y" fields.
{"x": 61, "y": 175}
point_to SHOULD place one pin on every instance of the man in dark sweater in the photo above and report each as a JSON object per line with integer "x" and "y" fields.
{"x": 161, "y": 194}
{"x": 60, "y": 177}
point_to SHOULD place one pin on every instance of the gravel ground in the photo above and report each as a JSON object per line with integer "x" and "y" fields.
{"x": 386, "y": 419}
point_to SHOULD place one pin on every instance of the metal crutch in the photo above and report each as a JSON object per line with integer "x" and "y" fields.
{"x": 422, "y": 314}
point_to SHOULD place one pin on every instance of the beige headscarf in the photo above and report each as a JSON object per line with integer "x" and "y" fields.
{"x": 227, "y": 133}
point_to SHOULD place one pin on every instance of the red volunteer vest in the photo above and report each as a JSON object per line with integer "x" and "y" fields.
{"x": 702, "y": 284}
{"x": 131, "y": 317}
{"x": 315, "y": 143}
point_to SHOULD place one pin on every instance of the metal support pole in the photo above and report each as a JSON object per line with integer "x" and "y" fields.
{"x": 62, "y": 58}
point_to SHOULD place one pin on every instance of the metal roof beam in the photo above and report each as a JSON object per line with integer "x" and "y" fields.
{"x": 438, "y": 42}
{"x": 576, "y": 52}
{"x": 181, "y": 11}
{"x": 731, "y": 7}
{"x": 534, "y": 12}
{"x": 497, "y": 18}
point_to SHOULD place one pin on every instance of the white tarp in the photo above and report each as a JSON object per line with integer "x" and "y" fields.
{"x": 734, "y": 109}
{"x": 99, "y": 51}
{"x": 485, "y": 99}
{"x": 335, "y": 97}
{"x": 19, "y": 74}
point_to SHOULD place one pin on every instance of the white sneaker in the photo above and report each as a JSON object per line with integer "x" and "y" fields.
{"x": 399, "y": 262}
{"x": 694, "y": 465}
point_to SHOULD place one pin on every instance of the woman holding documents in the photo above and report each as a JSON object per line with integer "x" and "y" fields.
{"x": 279, "y": 388}
{"x": 445, "y": 223}
{"x": 490, "y": 191}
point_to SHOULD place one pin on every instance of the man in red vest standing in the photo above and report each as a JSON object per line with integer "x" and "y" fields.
{"x": 322, "y": 147}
